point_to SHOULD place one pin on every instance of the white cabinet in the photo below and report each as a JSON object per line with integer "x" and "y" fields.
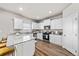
{"x": 26, "y": 48}
{"x": 56, "y": 39}
{"x": 35, "y": 25}
{"x": 13, "y": 39}
{"x": 39, "y": 36}
{"x": 29, "y": 48}
{"x": 19, "y": 49}
{"x": 27, "y": 26}
{"x": 57, "y": 23}
{"x": 18, "y": 23}
{"x": 10, "y": 40}
{"x": 46, "y": 22}
{"x": 70, "y": 33}
{"x": 24, "y": 44}
{"x": 51, "y": 38}
{"x": 41, "y": 25}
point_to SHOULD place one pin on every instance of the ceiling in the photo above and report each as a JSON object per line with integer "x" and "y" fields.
{"x": 35, "y": 10}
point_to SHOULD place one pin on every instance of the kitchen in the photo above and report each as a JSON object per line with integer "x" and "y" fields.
{"x": 24, "y": 32}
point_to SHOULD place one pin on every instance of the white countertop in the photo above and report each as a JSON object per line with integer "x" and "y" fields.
{"x": 14, "y": 39}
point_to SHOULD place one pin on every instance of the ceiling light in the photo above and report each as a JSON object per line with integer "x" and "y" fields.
{"x": 50, "y": 12}
{"x": 21, "y": 8}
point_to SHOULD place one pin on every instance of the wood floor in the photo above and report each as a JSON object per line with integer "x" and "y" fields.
{"x": 47, "y": 49}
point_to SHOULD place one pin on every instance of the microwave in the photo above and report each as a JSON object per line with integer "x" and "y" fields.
{"x": 47, "y": 27}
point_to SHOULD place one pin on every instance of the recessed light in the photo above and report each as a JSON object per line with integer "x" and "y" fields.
{"x": 50, "y": 12}
{"x": 20, "y": 8}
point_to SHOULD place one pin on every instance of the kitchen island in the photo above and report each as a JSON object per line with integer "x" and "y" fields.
{"x": 24, "y": 44}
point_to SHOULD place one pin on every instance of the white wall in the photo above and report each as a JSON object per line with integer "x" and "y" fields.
{"x": 6, "y": 22}
{"x": 74, "y": 7}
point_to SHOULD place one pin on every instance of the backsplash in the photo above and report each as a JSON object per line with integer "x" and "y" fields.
{"x": 53, "y": 31}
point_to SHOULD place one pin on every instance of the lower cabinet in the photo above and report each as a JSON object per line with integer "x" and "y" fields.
{"x": 25, "y": 49}
{"x": 19, "y": 49}
{"x": 56, "y": 39}
{"x": 39, "y": 36}
{"x": 29, "y": 48}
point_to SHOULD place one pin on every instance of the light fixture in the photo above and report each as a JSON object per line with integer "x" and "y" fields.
{"x": 50, "y": 12}
{"x": 20, "y": 8}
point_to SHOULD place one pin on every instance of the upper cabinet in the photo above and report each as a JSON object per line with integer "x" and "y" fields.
{"x": 22, "y": 24}
{"x": 41, "y": 25}
{"x": 57, "y": 24}
{"x": 18, "y": 23}
{"x": 27, "y": 24}
{"x": 46, "y": 22}
{"x": 35, "y": 25}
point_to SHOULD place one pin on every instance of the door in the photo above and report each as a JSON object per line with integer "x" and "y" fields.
{"x": 75, "y": 34}
{"x": 67, "y": 33}
{"x": 71, "y": 33}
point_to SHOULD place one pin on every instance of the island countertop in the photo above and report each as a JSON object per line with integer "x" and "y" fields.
{"x": 14, "y": 39}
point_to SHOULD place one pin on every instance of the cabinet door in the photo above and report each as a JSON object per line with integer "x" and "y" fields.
{"x": 27, "y": 26}
{"x": 56, "y": 24}
{"x": 52, "y": 38}
{"x": 18, "y": 23}
{"x": 10, "y": 40}
{"x": 19, "y": 50}
{"x": 41, "y": 25}
{"x": 35, "y": 25}
{"x": 40, "y": 35}
{"x": 58, "y": 39}
{"x": 18, "y": 39}
{"x": 29, "y": 48}
{"x": 46, "y": 22}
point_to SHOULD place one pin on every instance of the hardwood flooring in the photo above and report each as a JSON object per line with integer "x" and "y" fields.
{"x": 48, "y": 49}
